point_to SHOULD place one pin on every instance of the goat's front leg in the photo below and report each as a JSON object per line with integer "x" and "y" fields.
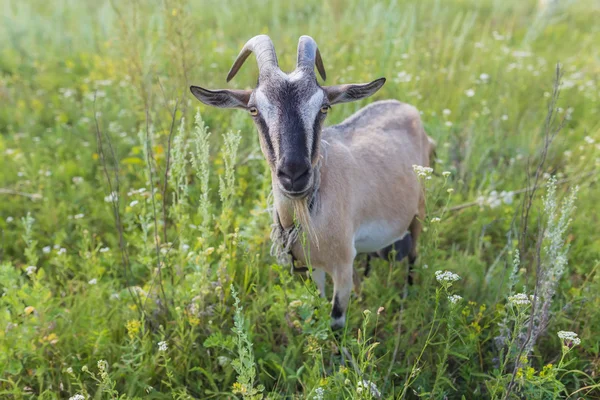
{"x": 342, "y": 287}
{"x": 318, "y": 276}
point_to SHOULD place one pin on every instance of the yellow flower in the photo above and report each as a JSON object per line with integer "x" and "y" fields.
{"x": 133, "y": 327}
{"x": 519, "y": 373}
{"x": 29, "y": 310}
{"x": 546, "y": 371}
{"x": 529, "y": 374}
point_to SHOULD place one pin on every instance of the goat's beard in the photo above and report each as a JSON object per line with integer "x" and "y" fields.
{"x": 302, "y": 217}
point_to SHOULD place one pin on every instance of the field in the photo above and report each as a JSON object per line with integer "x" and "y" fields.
{"x": 134, "y": 247}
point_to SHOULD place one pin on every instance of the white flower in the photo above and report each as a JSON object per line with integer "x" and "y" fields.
{"x": 9, "y": 219}
{"x": 162, "y": 346}
{"x": 62, "y": 250}
{"x": 446, "y": 276}
{"x": 69, "y": 370}
{"x": 77, "y": 397}
{"x": 446, "y": 174}
{"x": 470, "y": 92}
{"x": 319, "y": 393}
{"x": 111, "y": 198}
{"x": 520, "y": 299}
{"x": 507, "y": 197}
{"x": 364, "y": 384}
{"x": 421, "y": 171}
{"x": 569, "y": 337}
{"x": 589, "y": 140}
{"x": 454, "y": 298}
{"x": 448, "y": 123}
{"x": 102, "y": 365}
{"x": 31, "y": 269}
{"x": 133, "y": 203}
{"x": 104, "y": 249}
{"x": 484, "y": 77}
{"x": 47, "y": 249}
{"x": 93, "y": 281}
{"x": 446, "y": 112}
{"x": 77, "y": 180}
{"x": 78, "y": 216}
{"x": 436, "y": 219}
{"x": 505, "y": 117}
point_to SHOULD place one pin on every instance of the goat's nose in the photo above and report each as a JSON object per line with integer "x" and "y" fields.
{"x": 294, "y": 174}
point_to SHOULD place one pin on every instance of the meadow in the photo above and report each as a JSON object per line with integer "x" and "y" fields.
{"x": 134, "y": 221}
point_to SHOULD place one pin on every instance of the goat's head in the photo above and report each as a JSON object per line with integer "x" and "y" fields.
{"x": 288, "y": 109}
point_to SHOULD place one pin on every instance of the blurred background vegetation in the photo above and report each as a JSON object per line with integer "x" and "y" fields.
{"x": 125, "y": 224}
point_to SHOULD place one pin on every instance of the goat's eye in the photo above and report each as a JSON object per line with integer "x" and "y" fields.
{"x": 325, "y": 109}
{"x": 253, "y": 111}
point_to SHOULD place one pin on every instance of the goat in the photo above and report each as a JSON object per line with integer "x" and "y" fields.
{"x": 351, "y": 186}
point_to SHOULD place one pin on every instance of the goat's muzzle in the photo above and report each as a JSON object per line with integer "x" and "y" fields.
{"x": 295, "y": 177}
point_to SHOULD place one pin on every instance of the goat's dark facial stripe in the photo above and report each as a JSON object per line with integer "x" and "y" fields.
{"x": 316, "y": 135}
{"x": 264, "y": 131}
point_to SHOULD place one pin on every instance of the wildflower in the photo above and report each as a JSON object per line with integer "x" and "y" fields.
{"x": 77, "y": 397}
{"x": 209, "y": 251}
{"x": 47, "y": 249}
{"x": 296, "y": 303}
{"x": 446, "y": 276}
{"x": 569, "y": 338}
{"x": 454, "y": 299}
{"x": 102, "y": 365}
{"x": 470, "y": 92}
{"x": 9, "y": 219}
{"x": 111, "y": 198}
{"x": 77, "y": 180}
{"x": 69, "y": 370}
{"x": 319, "y": 393}
{"x": 422, "y": 172}
{"x": 588, "y": 140}
{"x": 31, "y": 269}
{"x": 504, "y": 117}
{"x": 546, "y": 371}
{"x": 446, "y": 112}
{"x": 133, "y": 327}
{"x": 133, "y": 203}
{"x": 78, "y": 216}
{"x": 380, "y": 310}
{"x": 364, "y": 384}
{"x": 450, "y": 190}
{"x": 93, "y": 281}
{"x": 29, "y": 310}
{"x": 436, "y": 219}
{"x": 162, "y": 346}
{"x": 104, "y": 249}
{"x": 446, "y": 174}
{"x": 62, "y": 251}
{"x": 484, "y": 77}
{"x": 448, "y": 123}
{"x": 520, "y": 299}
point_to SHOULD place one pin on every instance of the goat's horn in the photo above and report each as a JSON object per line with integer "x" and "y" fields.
{"x": 309, "y": 55}
{"x": 262, "y": 46}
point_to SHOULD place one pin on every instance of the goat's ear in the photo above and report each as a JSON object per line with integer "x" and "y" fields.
{"x": 352, "y": 92}
{"x": 222, "y": 98}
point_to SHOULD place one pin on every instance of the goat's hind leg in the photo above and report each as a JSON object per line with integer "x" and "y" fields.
{"x": 414, "y": 228}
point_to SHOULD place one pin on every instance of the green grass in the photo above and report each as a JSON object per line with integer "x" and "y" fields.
{"x": 89, "y": 318}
